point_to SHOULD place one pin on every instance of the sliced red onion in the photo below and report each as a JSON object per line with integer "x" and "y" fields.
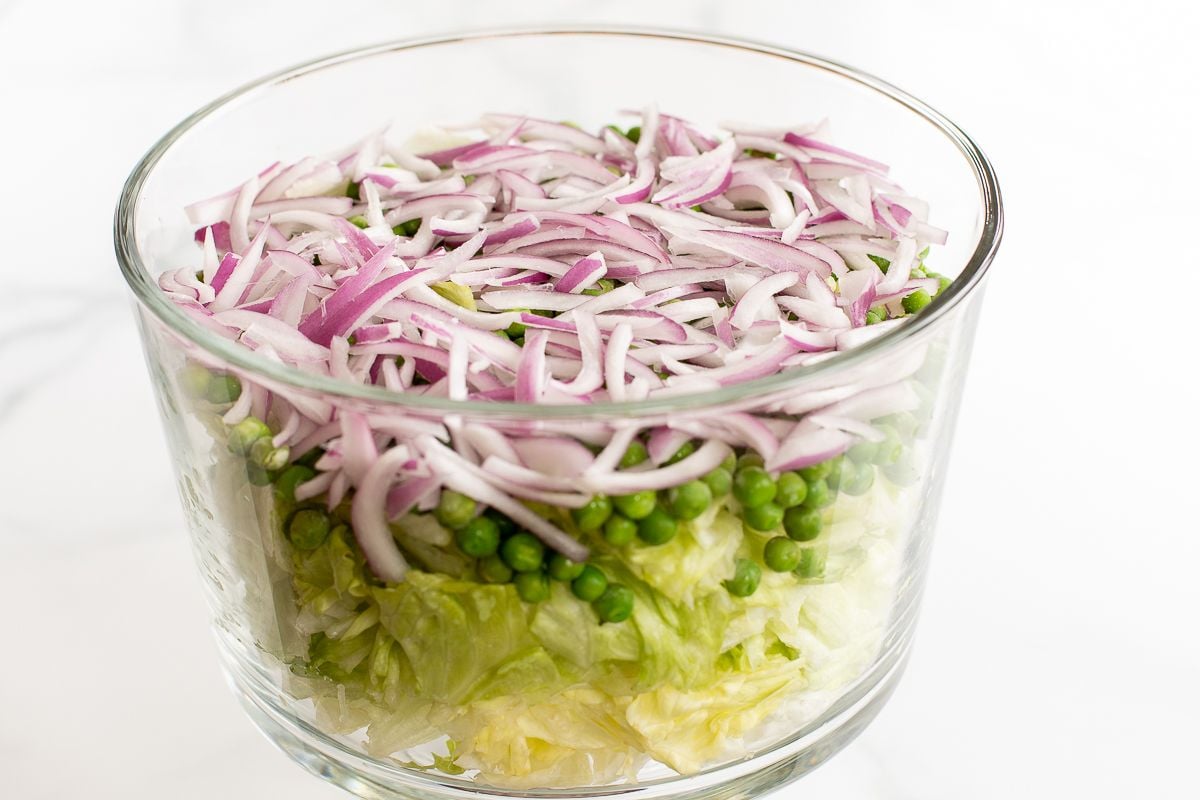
{"x": 665, "y": 442}
{"x": 858, "y": 291}
{"x": 613, "y": 451}
{"x": 751, "y": 303}
{"x": 404, "y": 497}
{"x": 690, "y": 181}
{"x": 773, "y": 255}
{"x": 875, "y": 403}
{"x": 614, "y": 360}
{"x": 808, "y": 142}
{"x": 454, "y": 475}
{"x": 857, "y": 427}
{"x": 556, "y": 131}
{"x": 284, "y": 338}
{"x": 591, "y": 371}
{"x": 532, "y": 370}
{"x": 488, "y": 441}
{"x": 585, "y": 217}
{"x": 900, "y": 268}
{"x": 315, "y": 487}
{"x": 583, "y": 274}
{"x": 808, "y": 444}
{"x": 640, "y": 187}
{"x": 553, "y": 455}
{"x": 706, "y": 458}
{"x": 444, "y": 158}
{"x": 368, "y": 512}
{"x": 751, "y": 431}
{"x": 814, "y": 313}
{"x": 238, "y": 277}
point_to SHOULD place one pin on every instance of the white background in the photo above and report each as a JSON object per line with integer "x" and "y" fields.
{"x": 1059, "y": 653}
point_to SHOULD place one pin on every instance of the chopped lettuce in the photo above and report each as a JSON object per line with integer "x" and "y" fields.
{"x": 527, "y": 695}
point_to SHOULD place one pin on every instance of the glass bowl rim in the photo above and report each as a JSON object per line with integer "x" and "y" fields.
{"x": 146, "y": 290}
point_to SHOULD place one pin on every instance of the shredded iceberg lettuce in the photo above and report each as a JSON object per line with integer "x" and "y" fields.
{"x": 525, "y": 695}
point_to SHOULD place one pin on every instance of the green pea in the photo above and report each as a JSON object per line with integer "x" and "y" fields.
{"x": 834, "y": 479}
{"x": 615, "y": 604}
{"x": 358, "y": 221}
{"x": 812, "y": 562}
{"x": 493, "y": 570}
{"x": 781, "y": 554}
{"x": 564, "y": 569}
{"x": 479, "y": 538}
{"x": 905, "y": 424}
{"x": 790, "y": 489}
{"x": 620, "y": 530}
{"x": 746, "y": 576}
{"x": 268, "y": 456}
{"x": 257, "y": 475}
{"x": 857, "y": 479}
{"x": 308, "y": 528}
{"x": 802, "y": 524}
{"x": 289, "y": 479}
{"x": 634, "y": 134}
{"x": 503, "y": 522}
{"x": 244, "y": 434}
{"x": 875, "y": 316}
{"x": 603, "y": 286}
{"x": 752, "y": 486}
{"x": 532, "y": 587}
{"x": 752, "y": 153}
{"x": 748, "y": 460}
{"x": 636, "y": 506}
{"x": 591, "y": 517}
{"x": 816, "y": 472}
{"x": 690, "y": 500}
{"x": 515, "y": 331}
{"x": 766, "y": 517}
{"x": 683, "y": 452}
{"x": 590, "y": 584}
{"x": 454, "y": 510}
{"x": 890, "y": 449}
{"x": 943, "y": 281}
{"x": 311, "y": 458}
{"x": 408, "y": 229}
{"x": 862, "y": 451}
{"x": 880, "y": 262}
{"x": 195, "y": 379}
{"x": 720, "y": 482}
{"x": 523, "y": 552}
{"x": 352, "y": 191}
{"x": 658, "y": 527}
{"x": 916, "y": 301}
{"x": 634, "y": 454}
{"x": 729, "y": 463}
{"x": 819, "y": 495}
{"x": 223, "y": 389}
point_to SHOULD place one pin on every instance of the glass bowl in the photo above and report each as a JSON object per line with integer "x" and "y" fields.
{"x": 446, "y": 686}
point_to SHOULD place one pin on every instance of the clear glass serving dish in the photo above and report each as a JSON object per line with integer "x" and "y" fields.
{"x": 449, "y": 684}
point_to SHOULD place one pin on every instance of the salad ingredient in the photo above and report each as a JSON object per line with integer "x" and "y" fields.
{"x": 657, "y": 527}
{"x": 745, "y": 580}
{"x": 781, "y": 554}
{"x": 589, "y": 584}
{"x": 563, "y": 602}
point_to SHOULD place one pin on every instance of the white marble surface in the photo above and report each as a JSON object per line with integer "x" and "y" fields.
{"x": 1058, "y": 655}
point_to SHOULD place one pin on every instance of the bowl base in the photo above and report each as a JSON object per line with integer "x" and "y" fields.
{"x": 335, "y": 762}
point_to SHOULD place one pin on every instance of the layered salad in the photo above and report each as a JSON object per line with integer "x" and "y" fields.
{"x": 463, "y": 585}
